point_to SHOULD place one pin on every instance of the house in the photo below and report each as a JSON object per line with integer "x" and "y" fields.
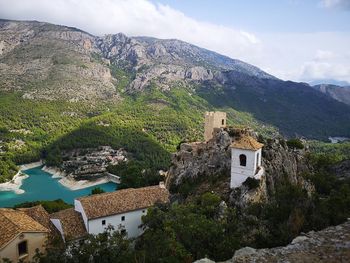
{"x": 40, "y": 215}
{"x": 122, "y": 208}
{"x": 70, "y": 224}
{"x": 20, "y": 235}
{"x": 245, "y": 160}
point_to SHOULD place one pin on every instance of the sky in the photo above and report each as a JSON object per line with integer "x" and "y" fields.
{"x": 299, "y": 40}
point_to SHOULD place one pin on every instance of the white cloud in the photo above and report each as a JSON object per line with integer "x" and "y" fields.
{"x": 323, "y": 70}
{"x": 288, "y": 56}
{"x": 135, "y": 17}
{"x": 323, "y": 55}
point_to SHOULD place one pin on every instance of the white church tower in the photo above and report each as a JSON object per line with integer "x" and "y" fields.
{"x": 245, "y": 160}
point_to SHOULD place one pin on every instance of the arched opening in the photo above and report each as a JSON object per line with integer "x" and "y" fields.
{"x": 243, "y": 160}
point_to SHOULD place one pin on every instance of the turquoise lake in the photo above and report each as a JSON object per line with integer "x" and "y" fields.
{"x": 41, "y": 186}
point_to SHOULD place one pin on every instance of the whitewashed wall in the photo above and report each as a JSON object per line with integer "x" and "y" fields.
{"x": 240, "y": 173}
{"x": 131, "y": 223}
{"x": 79, "y": 208}
{"x": 58, "y": 225}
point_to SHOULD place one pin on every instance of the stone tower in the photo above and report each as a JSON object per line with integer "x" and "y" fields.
{"x": 245, "y": 160}
{"x": 213, "y": 120}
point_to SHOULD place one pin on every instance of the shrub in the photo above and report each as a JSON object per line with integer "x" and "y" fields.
{"x": 251, "y": 183}
{"x": 295, "y": 143}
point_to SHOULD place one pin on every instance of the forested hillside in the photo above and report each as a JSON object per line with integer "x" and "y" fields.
{"x": 62, "y": 88}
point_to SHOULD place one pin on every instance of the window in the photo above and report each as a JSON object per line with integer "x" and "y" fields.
{"x": 143, "y": 211}
{"x": 257, "y": 160}
{"x": 103, "y": 222}
{"x": 123, "y": 218}
{"x": 22, "y": 248}
{"x": 223, "y": 122}
{"x": 243, "y": 160}
{"x": 123, "y": 231}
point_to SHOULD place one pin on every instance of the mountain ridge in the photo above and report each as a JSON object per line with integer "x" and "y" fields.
{"x": 44, "y": 61}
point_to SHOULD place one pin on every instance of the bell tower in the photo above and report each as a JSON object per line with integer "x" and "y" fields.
{"x": 245, "y": 160}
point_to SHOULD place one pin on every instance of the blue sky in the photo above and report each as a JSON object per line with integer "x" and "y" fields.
{"x": 300, "y": 40}
{"x": 267, "y": 16}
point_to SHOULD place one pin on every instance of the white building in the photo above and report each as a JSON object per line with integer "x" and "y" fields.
{"x": 245, "y": 160}
{"x": 123, "y": 208}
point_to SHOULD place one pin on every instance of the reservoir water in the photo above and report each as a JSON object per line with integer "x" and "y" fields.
{"x": 41, "y": 186}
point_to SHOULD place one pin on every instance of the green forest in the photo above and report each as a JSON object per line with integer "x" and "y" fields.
{"x": 149, "y": 126}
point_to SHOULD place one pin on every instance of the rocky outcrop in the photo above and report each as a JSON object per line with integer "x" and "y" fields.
{"x": 338, "y": 93}
{"x": 200, "y": 160}
{"x": 329, "y": 245}
{"x": 281, "y": 162}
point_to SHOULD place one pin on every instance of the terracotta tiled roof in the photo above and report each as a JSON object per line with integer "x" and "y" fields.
{"x": 72, "y": 224}
{"x": 14, "y": 222}
{"x": 247, "y": 142}
{"x": 39, "y": 214}
{"x": 121, "y": 201}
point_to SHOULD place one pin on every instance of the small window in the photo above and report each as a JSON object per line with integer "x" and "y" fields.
{"x": 143, "y": 211}
{"x": 223, "y": 122}
{"x": 123, "y": 218}
{"x": 22, "y": 248}
{"x": 103, "y": 222}
{"x": 243, "y": 160}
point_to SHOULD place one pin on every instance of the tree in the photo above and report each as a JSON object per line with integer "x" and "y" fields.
{"x": 97, "y": 190}
{"x": 110, "y": 246}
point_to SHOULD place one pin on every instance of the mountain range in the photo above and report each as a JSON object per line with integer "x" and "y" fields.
{"x": 62, "y": 87}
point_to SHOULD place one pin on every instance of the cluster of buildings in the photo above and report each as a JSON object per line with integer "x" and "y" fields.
{"x": 22, "y": 231}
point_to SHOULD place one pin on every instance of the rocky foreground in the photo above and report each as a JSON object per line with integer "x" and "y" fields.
{"x": 329, "y": 245}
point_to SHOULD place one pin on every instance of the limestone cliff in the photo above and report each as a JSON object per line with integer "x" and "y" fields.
{"x": 200, "y": 161}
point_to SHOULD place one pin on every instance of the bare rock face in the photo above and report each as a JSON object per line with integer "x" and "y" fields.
{"x": 201, "y": 159}
{"x": 204, "y": 160}
{"x": 45, "y": 61}
{"x": 281, "y": 162}
{"x": 329, "y": 245}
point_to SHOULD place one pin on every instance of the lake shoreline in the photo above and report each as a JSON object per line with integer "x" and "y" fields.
{"x": 15, "y": 184}
{"x": 65, "y": 180}
{"x": 73, "y": 184}
{"x": 70, "y": 183}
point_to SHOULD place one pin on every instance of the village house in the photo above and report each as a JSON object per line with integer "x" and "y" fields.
{"x": 120, "y": 209}
{"x": 20, "y": 235}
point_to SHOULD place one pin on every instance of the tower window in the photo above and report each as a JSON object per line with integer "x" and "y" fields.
{"x": 22, "y": 248}
{"x": 223, "y": 122}
{"x": 103, "y": 222}
{"x": 243, "y": 160}
{"x": 123, "y": 218}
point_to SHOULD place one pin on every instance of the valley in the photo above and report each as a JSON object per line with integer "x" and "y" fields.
{"x": 142, "y": 94}
{"x": 91, "y": 106}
